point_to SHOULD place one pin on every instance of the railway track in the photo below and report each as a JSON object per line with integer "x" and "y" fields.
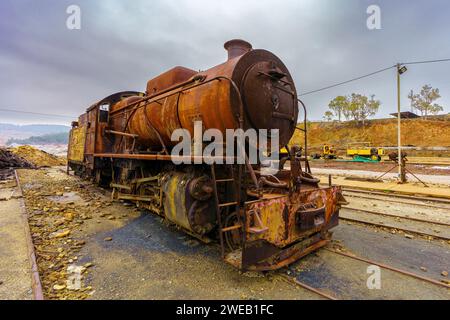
{"x": 389, "y": 198}
{"x": 388, "y": 267}
{"x": 399, "y": 196}
{"x": 303, "y": 285}
{"x": 397, "y": 216}
{"x": 326, "y": 295}
{"x": 431, "y": 226}
{"x": 409, "y": 231}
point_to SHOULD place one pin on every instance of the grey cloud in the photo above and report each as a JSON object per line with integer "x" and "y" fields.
{"x": 122, "y": 44}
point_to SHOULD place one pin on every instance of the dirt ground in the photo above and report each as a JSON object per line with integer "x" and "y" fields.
{"x": 123, "y": 253}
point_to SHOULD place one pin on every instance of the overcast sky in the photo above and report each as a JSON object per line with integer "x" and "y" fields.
{"x": 47, "y": 68}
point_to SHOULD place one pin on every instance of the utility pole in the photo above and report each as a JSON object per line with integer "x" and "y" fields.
{"x": 401, "y": 172}
{"x": 399, "y": 140}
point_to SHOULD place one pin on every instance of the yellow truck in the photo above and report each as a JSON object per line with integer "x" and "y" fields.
{"x": 364, "y": 150}
{"x": 328, "y": 152}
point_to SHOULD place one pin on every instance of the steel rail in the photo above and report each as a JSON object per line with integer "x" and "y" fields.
{"x": 307, "y": 287}
{"x": 396, "y": 216}
{"x": 397, "y": 228}
{"x": 385, "y": 266}
{"x": 293, "y": 280}
{"x": 398, "y": 195}
{"x": 396, "y": 201}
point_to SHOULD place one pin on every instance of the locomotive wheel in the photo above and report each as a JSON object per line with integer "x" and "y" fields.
{"x": 232, "y": 238}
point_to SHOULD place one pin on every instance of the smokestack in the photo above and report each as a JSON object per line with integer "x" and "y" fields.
{"x": 237, "y": 47}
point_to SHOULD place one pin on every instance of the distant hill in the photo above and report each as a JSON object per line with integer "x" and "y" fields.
{"x": 8, "y": 131}
{"x": 35, "y": 128}
{"x": 50, "y": 138}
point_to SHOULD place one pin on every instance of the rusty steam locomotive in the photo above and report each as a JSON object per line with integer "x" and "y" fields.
{"x": 262, "y": 222}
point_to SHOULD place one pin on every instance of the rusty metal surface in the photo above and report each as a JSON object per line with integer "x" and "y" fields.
{"x": 236, "y": 48}
{"x": 168, "y": 79}
{"x": 280, "y": 214}
{"x": 77, "y": 141}
{"x": 277, "y": 108}
{"x": 163, "y": 157}
{"x": 180, "y": 207}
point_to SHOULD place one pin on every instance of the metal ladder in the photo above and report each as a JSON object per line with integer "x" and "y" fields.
{"x": 219, "y": 206}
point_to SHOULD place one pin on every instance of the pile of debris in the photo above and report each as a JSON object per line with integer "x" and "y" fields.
{"x": 38, "y": 157}
{"x": 9, "y": 161}
{"x": 25, "y": 157}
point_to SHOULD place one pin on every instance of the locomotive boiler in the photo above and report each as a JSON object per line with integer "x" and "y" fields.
{"x": 261, "y": 220}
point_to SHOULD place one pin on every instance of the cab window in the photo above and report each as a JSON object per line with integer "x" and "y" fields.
{"x": 103, "y": 112}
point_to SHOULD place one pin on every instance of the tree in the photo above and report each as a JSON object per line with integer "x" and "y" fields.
{"x": 423, "y": 101}
{"x": 366, "y": 107}
{"x": 355, "y": 107}
{"x": 411, "y": 97}
{"x": 328, "y": 116}
{"x": 338, "y": 105}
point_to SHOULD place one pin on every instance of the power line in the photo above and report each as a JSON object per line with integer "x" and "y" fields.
{"x": 347, "y": 81}
{"x": 426, "y": 61}
{"x": 371, "y": 74}
{"x": 38, "y": 113}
